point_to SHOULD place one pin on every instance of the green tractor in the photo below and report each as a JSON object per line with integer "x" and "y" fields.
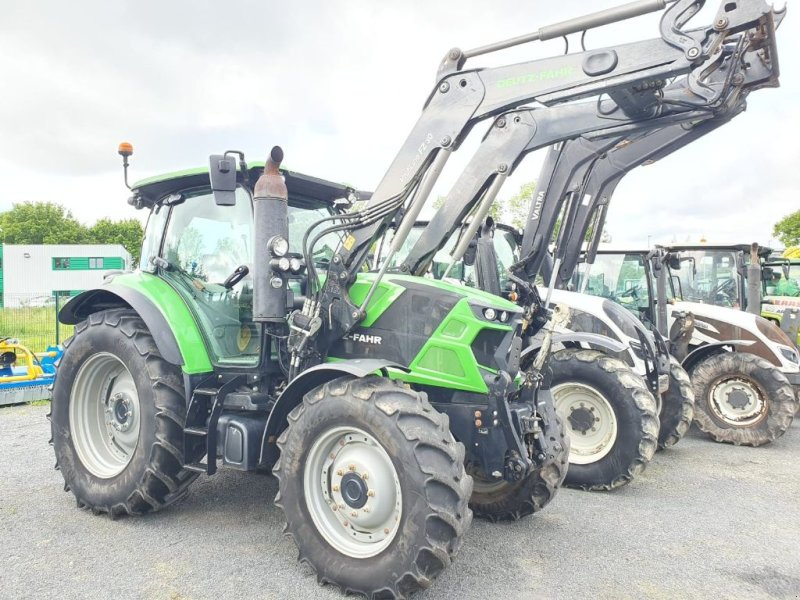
{"x": 174, "y": 362}
{"x": 390, "y": 407}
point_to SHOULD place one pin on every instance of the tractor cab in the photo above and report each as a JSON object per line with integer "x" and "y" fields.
{"x": 712, "y": 274}
{"x": 205, "y": 250}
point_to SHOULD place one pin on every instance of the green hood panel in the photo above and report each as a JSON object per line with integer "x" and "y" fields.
{"x": 174, "y": 309}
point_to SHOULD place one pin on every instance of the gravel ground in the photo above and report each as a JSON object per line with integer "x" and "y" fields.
{"x": 704, "y": 520}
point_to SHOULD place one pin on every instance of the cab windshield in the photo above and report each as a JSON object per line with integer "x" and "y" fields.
{"x": 709, "y": 277}
{"x": 621, "y": 278}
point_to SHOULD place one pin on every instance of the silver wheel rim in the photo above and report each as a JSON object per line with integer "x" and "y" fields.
{"x": 104, "y": 415}
{"x": 352, "y": 492}
{"x": 738, "y": 402}
{"x": 577, "y": 403}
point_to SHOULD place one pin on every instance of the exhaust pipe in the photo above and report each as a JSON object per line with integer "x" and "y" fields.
{"x": 270, "y": 213}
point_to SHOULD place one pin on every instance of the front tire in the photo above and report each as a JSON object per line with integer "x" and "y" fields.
{"x": 501, "y": 500}
{"x": 610, "y": 416}
{"x": 373, "y": 486}
{"x": 742, "y": 399}
{"x": 677, "y": 406}
{"x": 117, "y": 418}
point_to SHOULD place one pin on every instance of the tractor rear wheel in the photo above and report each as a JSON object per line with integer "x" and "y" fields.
{"x": 117, "y": 418}
{"x": 677, "y": 406}
{"x": 373, "y": 486}
{"x": 610, "y": 416}
{"x": 742, "y": 399}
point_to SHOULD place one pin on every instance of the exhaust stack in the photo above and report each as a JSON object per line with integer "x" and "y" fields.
{"x": 270, "y": 213}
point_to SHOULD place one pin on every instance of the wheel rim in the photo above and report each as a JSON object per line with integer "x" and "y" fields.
{"x": 738, "y": 402}
{"x": 104, "y": 415}
{"x": 590, "y": 421}
{"x": 352, "y": 492}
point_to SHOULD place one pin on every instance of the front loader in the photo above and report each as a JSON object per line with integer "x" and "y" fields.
{"x": 251, "y": 335}
{"x": 606, "y": 459}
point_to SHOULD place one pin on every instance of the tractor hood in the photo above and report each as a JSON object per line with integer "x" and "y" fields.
{"x": 753, "y": 333}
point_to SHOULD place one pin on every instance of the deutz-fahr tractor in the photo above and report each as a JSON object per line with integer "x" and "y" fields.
{"x": 389, "y": 406}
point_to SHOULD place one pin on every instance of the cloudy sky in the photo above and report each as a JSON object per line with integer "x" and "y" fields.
{"x": 338, "y": 84}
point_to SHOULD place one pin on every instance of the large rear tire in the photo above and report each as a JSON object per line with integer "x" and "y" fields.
{"x": 373, "y": 487}
{"x": 677, "y": 406}
{"x": 117, "y": 418}
{"x": 610, "y": 416}
{"x": 742, "y": 399}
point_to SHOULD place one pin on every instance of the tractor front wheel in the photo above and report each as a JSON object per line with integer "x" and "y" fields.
{"x": 117, "y": 418}
{"x": 610, "y": 416}
{"x": 373, "y": 486}
{"x": 677, "y": 406}
{"x": 501, "y": 500}
{"x": 742, "y": 399}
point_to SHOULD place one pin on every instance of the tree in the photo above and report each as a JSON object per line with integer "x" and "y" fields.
{"x": 514, "y": 210}
{"x": 127, "y": 232}
{"x": 41, "y": 223}
{"x": 787, "y": 230}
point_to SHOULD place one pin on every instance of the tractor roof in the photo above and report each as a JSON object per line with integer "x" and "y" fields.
{"x": 762, "y": 250}
{"x": 152, "y": 189}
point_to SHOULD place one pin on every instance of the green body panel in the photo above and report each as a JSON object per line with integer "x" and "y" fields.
{"x": 183, "y": 324}
{"x": 446, "y": 358}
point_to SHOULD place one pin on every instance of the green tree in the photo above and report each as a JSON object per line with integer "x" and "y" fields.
{"x": 41, "y": 223}
{"x": 514, "y": 210}
{"x": 787, "y": 230}
{"x": 127, "y": 232}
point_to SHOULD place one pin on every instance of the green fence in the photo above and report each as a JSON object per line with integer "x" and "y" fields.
{"x": 32, "y": 320}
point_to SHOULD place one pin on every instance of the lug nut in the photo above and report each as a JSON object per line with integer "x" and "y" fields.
{"x": 371, "y": 493}
{"x": 336, "y": 488}
{"x": 351, "y": 467}
{"x": 354, "y": 513}
{"x": 340, "y": 472}
{"x": 365, "y": 476}
{"x": 386, "y": 530}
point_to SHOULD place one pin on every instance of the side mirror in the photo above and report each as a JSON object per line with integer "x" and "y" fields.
{"x": 222, "y": 172}
{"x": 673, "y": 262}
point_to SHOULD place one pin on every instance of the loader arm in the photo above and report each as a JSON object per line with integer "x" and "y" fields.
{"x": 515, "y": 134}
{"x": 463, "y": 97}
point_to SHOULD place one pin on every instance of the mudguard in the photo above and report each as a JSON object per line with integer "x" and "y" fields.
{"x": 595, "y": 339}
{"x": 119, "y": 296}
{"x": 706, "y": 350}
{"x": 309, "y": 379}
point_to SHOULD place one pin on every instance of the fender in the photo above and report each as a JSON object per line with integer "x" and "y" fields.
{"x": 119, "y": 296}
{"x": 707, "y": 350}
{"x": 595, "y": 339}
{"x": 309, "y": 379}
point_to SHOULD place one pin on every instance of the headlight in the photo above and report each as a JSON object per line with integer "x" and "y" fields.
{"x": 284, "y": 264}
{"x": 789, "y": 354}
{"x": 295, "y": 265}
{"x": 490, "y": 314}
{"x": 278, "y": 246}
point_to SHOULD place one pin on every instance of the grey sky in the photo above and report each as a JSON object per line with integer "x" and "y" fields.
{"x": 338, "y": 84}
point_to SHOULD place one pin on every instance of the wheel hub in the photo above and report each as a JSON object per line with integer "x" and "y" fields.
{"x": 738, "y": 402}
{"x": 582, "y": 419}
{"x": 353, "y": 492}
{"x": 739, "y": 398}
{"x": 119, "y": 412}
{"x": 591, "y": 419}
{"x": 104, "y": 415}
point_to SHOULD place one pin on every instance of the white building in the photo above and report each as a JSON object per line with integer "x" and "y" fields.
{"x": 32, "y": 275}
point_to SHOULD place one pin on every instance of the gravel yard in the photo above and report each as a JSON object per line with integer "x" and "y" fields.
{"x": 705, "y": 520}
